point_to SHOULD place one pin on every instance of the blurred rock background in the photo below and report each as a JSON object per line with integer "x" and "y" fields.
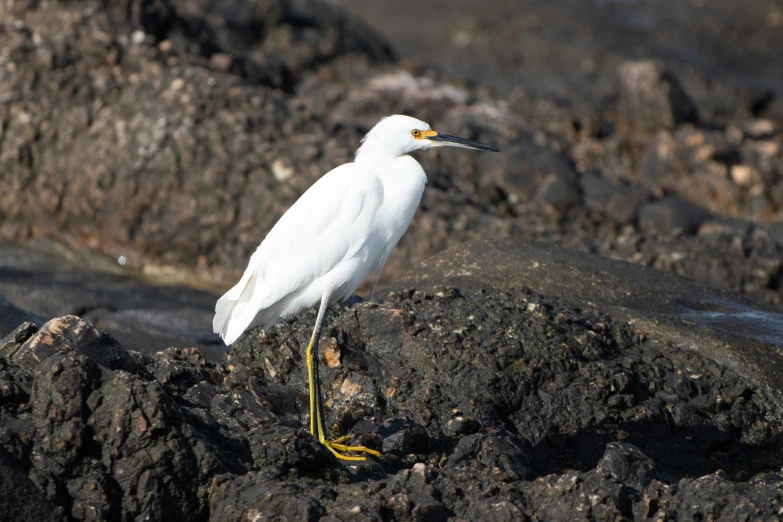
{"x": 171, "y": 136}
{"x": 147, "y": 146}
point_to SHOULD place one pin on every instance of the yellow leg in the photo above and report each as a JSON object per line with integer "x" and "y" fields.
{"x": 311, "y": 381}
{"x": 311, "y": 356}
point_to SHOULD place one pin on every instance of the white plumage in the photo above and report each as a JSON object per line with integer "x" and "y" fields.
{"x": 338, "y": 232}
{"x": 323, "y": 247}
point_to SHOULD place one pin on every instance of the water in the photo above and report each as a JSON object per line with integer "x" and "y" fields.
{"x": 738, "y": 319}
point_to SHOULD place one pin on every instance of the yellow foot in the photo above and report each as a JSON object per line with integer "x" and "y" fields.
{"x": 336, "y": 446}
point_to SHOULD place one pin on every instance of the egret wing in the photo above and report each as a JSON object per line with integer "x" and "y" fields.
{"x": 330, "y": 222}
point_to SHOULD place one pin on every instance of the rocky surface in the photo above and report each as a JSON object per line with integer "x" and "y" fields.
{"x": 488, "y": 402}
{"x": 146, "y": 147}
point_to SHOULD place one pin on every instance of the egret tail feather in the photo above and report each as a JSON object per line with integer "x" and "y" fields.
{"x": 231, "y": 317}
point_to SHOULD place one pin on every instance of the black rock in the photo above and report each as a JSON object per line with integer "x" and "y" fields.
{"x": 671, "y": 214}
{"x": 532, "y": 171}
{"x": 11, "y": 343}
{"x": 562, "y": 193}
{"x": 738, "y": 332}
{"x": 403, "y": 437}
{"x": 710, "y": 497}
{"x": 629, "y": 465}
{"x": 497, "y": 454}
{"x": 766, "y": 479}
{"x": 592, "y": 495}
{"x": 20, "y": 498}
{"x": 463, "y": 425}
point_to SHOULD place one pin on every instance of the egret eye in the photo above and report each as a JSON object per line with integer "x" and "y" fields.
{"x": 415, "y": 133}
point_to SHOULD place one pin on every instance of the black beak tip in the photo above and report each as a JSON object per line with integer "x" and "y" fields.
{"x": 462, "y": 142}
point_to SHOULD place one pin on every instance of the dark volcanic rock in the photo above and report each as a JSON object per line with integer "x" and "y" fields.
{"x": 712, "y": 497}
{"x": 747, "y": 260}
{"x": 736, "y": 332}
{"x": 71, "y": 334}
{"x": 20, "y": 498}
{"x": 671, "y": 214}
{"x": 491, "y": 453}
{"x": 629, "y": 465}
{"x": 490, "y": 401}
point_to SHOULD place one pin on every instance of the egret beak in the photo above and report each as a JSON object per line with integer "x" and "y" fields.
{"x": 444, "y": 140}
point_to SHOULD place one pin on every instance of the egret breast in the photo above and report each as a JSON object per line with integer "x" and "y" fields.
{"x": 403, "y": 185}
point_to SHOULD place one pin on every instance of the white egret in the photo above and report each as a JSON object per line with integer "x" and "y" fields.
{"x": 342, "y": 229}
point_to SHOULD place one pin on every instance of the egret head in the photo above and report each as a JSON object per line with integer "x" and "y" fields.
{"x": 397, "y": 135}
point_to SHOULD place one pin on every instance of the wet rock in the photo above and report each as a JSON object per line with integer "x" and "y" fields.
{"x": 295, "y": 99}
{"x": 14, "y": 390}
{"x": 571, "y": 62}
{"x": 241, "y": 407}
{"x": 140, "y": 115}
{"x": 252, "y": 495}
{"x": 531, "y": 171}
{"x": 150, "y": 330}
{"x": 180, "y": 371}
{"x": 145, "y": 439}
{"x": 737, "y": 256}
{"x": 766, "y": 479}
{"x": 492, "y": 400}
{"x": 722, "y": 225}
{"x": 141, "y": 316}
{"x": 62, "y": 383}
{"x": 652, "y": 98}
{"x": 719, "y": 170}
{"x": 412, "y": 496}
{"x": 671, "y": 214}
